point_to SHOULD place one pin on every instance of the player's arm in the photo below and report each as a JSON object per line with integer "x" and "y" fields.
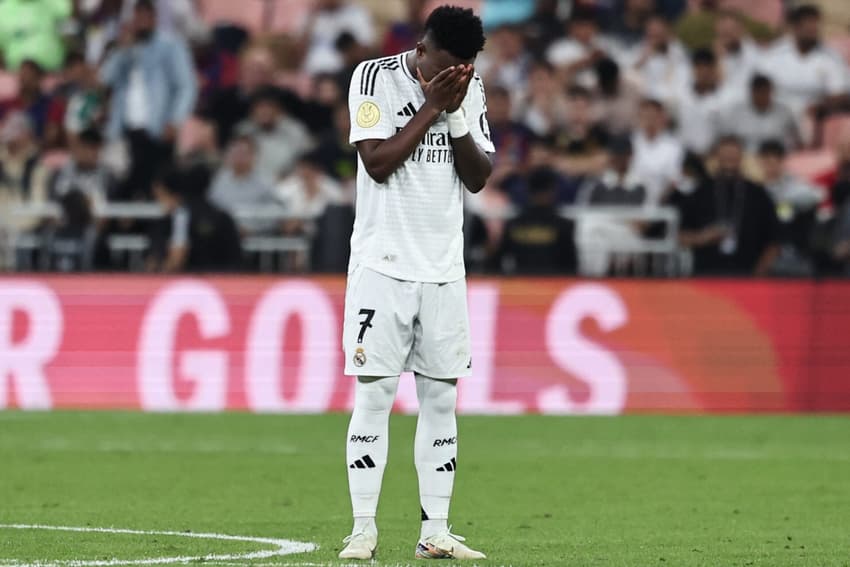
{"x": 471, "y": 161}
{"x": 382, "y": 157}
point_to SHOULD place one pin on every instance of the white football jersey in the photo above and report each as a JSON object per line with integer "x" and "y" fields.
{"x": 411, "y": 226}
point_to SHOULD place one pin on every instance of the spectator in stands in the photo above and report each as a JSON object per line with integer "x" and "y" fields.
{"x": 307, "y": 193}
{"x": 82, "y": 99}
{"x": 154, "y": 89}
{"x": 618, "y": 185}
{"x": 576, "y": 54}
{"x": 337, "y": 156}
{"x": 194, "y": 235}
{"x": 543, "y": 28}
{"x": 790, "y": 193}
{"x": 660, "y": 61}
{"x": 71, "y": 243}
{"x": 84, "y": 172}
{"x": 30, "y": 98}
{"x": 617, "y": 98}
{"x": 699, "y": 28}
{"x": 280, "y": 138}
{"x": 658, "y": 155}
{"x": 240, "y": 185}
{"x": 628, "y": 21}
{"x": 22, "y": 178}
{"x": 512, "y": 139}
{"x": 811, "y": 78}
{"x": 581, "y": 144}
{"x": 598, "y": 237}
{"x": 505, "y": 62}
{"x": 403, "y": 35}
{"x": 100, "y": 23}
{"x": 229, "y": 107}
{"x": 30, "y": 30}
{"x": 328, "y": 20}
{"x": 737, "y": 53}
{"x": 538, "y": 240}
{"x": 760, "y": 118}
{"x": 178, "y": 17}
{"x": 796, "y": 202}
{"x": 544, "y": 108}
{"x": 701, "y": 104}
{"x": 730, "y": 222}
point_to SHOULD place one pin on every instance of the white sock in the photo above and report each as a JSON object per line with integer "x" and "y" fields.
{"x": 435, "y": 451}
{"x": 367, "y": 444}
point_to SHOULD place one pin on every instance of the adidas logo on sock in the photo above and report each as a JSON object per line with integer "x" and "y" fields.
{"x": 365, "y": 462}
{"x": 448, "y": 467}
{"x": 408, "y": 110}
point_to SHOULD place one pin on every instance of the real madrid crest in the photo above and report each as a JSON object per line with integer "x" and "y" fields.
{"x": 368, "y": 114}
{"x": 359, "y": 357}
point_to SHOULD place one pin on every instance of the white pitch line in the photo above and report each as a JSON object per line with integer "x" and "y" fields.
{"x": 282, "y": 547}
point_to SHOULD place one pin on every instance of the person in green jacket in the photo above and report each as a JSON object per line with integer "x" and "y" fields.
{"x": 31, "y": 29}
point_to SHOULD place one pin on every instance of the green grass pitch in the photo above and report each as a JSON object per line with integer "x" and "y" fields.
{"x": 624, "y": 491}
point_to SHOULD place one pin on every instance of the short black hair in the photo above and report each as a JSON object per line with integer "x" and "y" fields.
{"x": 188, "y": 182}
{"x": 145, "y": 5}
{"x": 704, "y": 56}
{"x": 582, "y": 16}
{"x": 345, "y": 41}
{"x": 73, "y": 58}
{"x": 542, "y": 179}
{"x": 621, "y": 145}
{"x": 804, "y": 12}
{"x": 34, "y": 65}
{"x": 268, "y": 94}
{"x": 456, "y": 30}
{"x": 772, "y": 147}
{"x": 760, "y": 81}
{"x": 91, "y": 137}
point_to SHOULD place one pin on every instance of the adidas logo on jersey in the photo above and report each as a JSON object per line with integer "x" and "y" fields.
{"x": 408, "y": 110}
{"x": 364, "y": 462}
{"x": 448, "y": 467}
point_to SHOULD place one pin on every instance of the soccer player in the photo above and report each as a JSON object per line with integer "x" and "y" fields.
{"x": 418, "y": 121}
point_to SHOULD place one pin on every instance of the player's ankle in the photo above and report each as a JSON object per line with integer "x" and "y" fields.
{"x": 365, "y": 524}
{"x": 433, "y": 527}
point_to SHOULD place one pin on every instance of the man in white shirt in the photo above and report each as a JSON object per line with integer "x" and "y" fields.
{"x": 810, "y": 77}
{"x": 760, "y": 118}
{"x": 329, "y": 20}
{"x": 658, "y": 156}
{"x": 576, "y": 54}
{"x": 701, "y": 104}
{"x": 419, "y": 122}
{"x": 738, "y": 54}
{"x": 660, "y": 62}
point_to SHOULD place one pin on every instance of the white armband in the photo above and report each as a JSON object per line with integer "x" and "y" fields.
{"x": 458, "y": 128}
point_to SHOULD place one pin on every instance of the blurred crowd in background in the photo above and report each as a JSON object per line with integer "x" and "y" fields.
{"x": 231, "y": 117}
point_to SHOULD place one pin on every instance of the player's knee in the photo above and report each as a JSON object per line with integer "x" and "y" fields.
{"x": 438, "y": 396}
{"x": 376, "y": 394}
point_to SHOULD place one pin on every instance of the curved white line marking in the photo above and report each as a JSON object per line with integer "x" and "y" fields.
{"x": 282, "y": 547}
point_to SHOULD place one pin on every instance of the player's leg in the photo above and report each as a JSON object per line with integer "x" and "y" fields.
{"x": 441, "y": 354}
{"x": 377, "y": 337}
{"x": 366, "y": 455}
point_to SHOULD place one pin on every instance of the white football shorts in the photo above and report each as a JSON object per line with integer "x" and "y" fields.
{"x": 392, "y": 326}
